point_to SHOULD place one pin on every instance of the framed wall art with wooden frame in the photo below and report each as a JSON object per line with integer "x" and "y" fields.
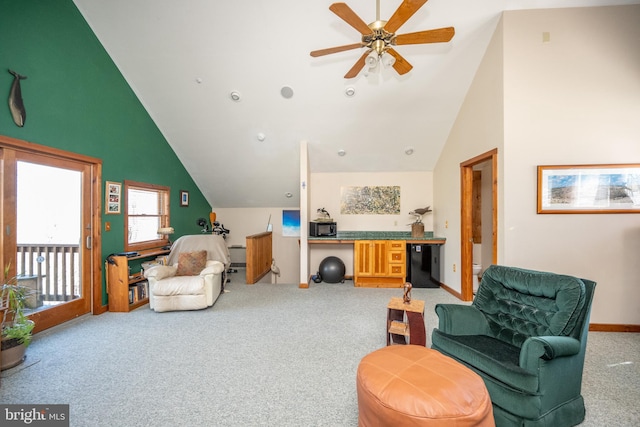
{"x": 113, "y": 197}
{"x": 570, "y": 189}
{"x": 184, "y": 198}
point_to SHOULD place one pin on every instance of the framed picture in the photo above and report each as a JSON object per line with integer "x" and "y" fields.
{"x": 291, "y": 223}
{"x": 589, "y": 189}
{"x": 370, "y": 200}
{"x": 184, "y": 198}
{"x": 113, "y": 197}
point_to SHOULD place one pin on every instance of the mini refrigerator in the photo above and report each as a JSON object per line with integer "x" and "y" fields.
{"x": 423, "y": 265}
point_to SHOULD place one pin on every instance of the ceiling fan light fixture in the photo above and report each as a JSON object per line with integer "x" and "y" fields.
{"x": 380, "y": 36}
{"x": 388, "y": 60}
{"x": 372, "y": 60}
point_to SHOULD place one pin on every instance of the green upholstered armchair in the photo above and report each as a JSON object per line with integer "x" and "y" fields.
{"x": 525, "y": 334}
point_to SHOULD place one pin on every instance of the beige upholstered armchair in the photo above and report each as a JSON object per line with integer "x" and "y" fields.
{"x": 194, "y": 276}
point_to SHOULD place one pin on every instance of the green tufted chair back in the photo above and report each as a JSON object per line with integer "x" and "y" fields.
{"x": 520, "y": 303}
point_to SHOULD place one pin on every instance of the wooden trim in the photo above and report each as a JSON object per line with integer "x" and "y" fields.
{"x": 466, "y": 217}
{"x": 479, "y": 158}
{"x": 494, "y": 204}
{"x": 30, "y": 147}
{"x": 466, "y": 232}
{"x": 451, "y": 291}
{"x": 96, "y": 238}
{"x": 165, "y": 215}
{"x": 92, "y": 166}
{"x": 609, "y": 327}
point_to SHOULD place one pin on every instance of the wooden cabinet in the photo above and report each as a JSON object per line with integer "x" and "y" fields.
{"x": 126, "y": 288}
{"x": 379, "y": 263}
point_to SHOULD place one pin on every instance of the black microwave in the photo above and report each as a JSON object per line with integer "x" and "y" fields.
{"x": 322, "y": 229}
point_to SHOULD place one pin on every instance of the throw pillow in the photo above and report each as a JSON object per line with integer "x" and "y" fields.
{"x": 191, "y": 263}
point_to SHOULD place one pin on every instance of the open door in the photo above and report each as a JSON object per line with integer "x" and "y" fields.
{"x": 467, "y": 217}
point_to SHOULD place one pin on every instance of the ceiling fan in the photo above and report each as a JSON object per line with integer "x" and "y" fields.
{"x": 379, "y": 37}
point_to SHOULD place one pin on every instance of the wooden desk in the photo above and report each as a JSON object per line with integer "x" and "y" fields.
{"x": 406, "y": 321}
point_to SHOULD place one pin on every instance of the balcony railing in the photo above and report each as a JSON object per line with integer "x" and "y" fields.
{"x": 52, "y": 271}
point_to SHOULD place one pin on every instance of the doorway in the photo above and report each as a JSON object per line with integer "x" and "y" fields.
{"x": 484, "y": 165}
{"x": 50, "y": 220}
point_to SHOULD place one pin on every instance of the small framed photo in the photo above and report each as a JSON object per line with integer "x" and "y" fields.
{"x": 184, "y": 198}
{"x": 113, "y": 197}
{"x": 589, "y": 189}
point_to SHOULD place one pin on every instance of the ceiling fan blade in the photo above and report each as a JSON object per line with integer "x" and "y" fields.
{"x": 430, "y": 36}
{"x": 336, "y": 49}
{"x": 402, "y": 14}
{"x": 359, "y": 65}
{"x": 350, "y": 17}
{"x": 401, "y": 65}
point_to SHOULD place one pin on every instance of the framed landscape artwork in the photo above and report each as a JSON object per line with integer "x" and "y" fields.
{"x": 589, "y": 189}
{"x": 370, "y": 200}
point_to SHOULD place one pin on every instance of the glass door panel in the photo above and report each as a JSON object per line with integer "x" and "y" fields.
{"x": 53, "y": 228}
{"x": 49, "y": 230}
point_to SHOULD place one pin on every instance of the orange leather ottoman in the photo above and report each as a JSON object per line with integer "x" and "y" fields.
{"x": 410, "y": 385}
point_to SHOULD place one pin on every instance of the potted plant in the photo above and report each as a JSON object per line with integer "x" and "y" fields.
{"x": 17, "y": 329}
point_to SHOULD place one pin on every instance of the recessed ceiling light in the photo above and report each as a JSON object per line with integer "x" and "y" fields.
{"x": 286, "y": 92}
{"x": 408, "y": 151}
{"x": 341, "y": 153}
{"x": 261, "y": 136}
{"x": 235, "y": 96}
{"x": 288, "y": 195}
{"x": 350, "y": 91}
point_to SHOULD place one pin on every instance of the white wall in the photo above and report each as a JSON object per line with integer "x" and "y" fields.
{"x": 477, "y": 130}
{"x": 244, "y": 222}
{"x": 324, "y": 191}
{"x": 573, "y": 100}
{"x": 416, "y": 191}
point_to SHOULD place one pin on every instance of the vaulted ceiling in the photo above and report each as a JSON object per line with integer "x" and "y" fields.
{"x": 183, "y": 59}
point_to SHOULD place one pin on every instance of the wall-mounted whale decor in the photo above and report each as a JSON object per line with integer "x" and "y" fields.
{"x": 16, "y": 105}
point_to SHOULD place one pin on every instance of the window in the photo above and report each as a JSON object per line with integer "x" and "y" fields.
{"x": 147, "y": 210}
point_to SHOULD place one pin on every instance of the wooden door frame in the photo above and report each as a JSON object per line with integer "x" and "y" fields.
{"x": 466, "y": 218}
{"x": 95, "y": 166}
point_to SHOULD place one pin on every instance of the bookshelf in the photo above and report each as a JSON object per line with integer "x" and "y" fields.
{"x": 128, "y": 290}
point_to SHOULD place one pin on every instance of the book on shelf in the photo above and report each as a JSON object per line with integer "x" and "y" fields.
{"x": 138, "y": 291}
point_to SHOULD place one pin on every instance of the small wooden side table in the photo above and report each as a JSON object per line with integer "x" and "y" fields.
{"x": 406, "y": 321}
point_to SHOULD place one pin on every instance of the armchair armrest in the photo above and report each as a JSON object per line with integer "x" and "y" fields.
{"x": 457, "y": 319}
{"x": 213, "y": 267}
{"x": 160, "y": 272}
{"x": 547, "y": 348}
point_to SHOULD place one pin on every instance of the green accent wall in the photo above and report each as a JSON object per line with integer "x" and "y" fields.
{"x": 77, "y": 100}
